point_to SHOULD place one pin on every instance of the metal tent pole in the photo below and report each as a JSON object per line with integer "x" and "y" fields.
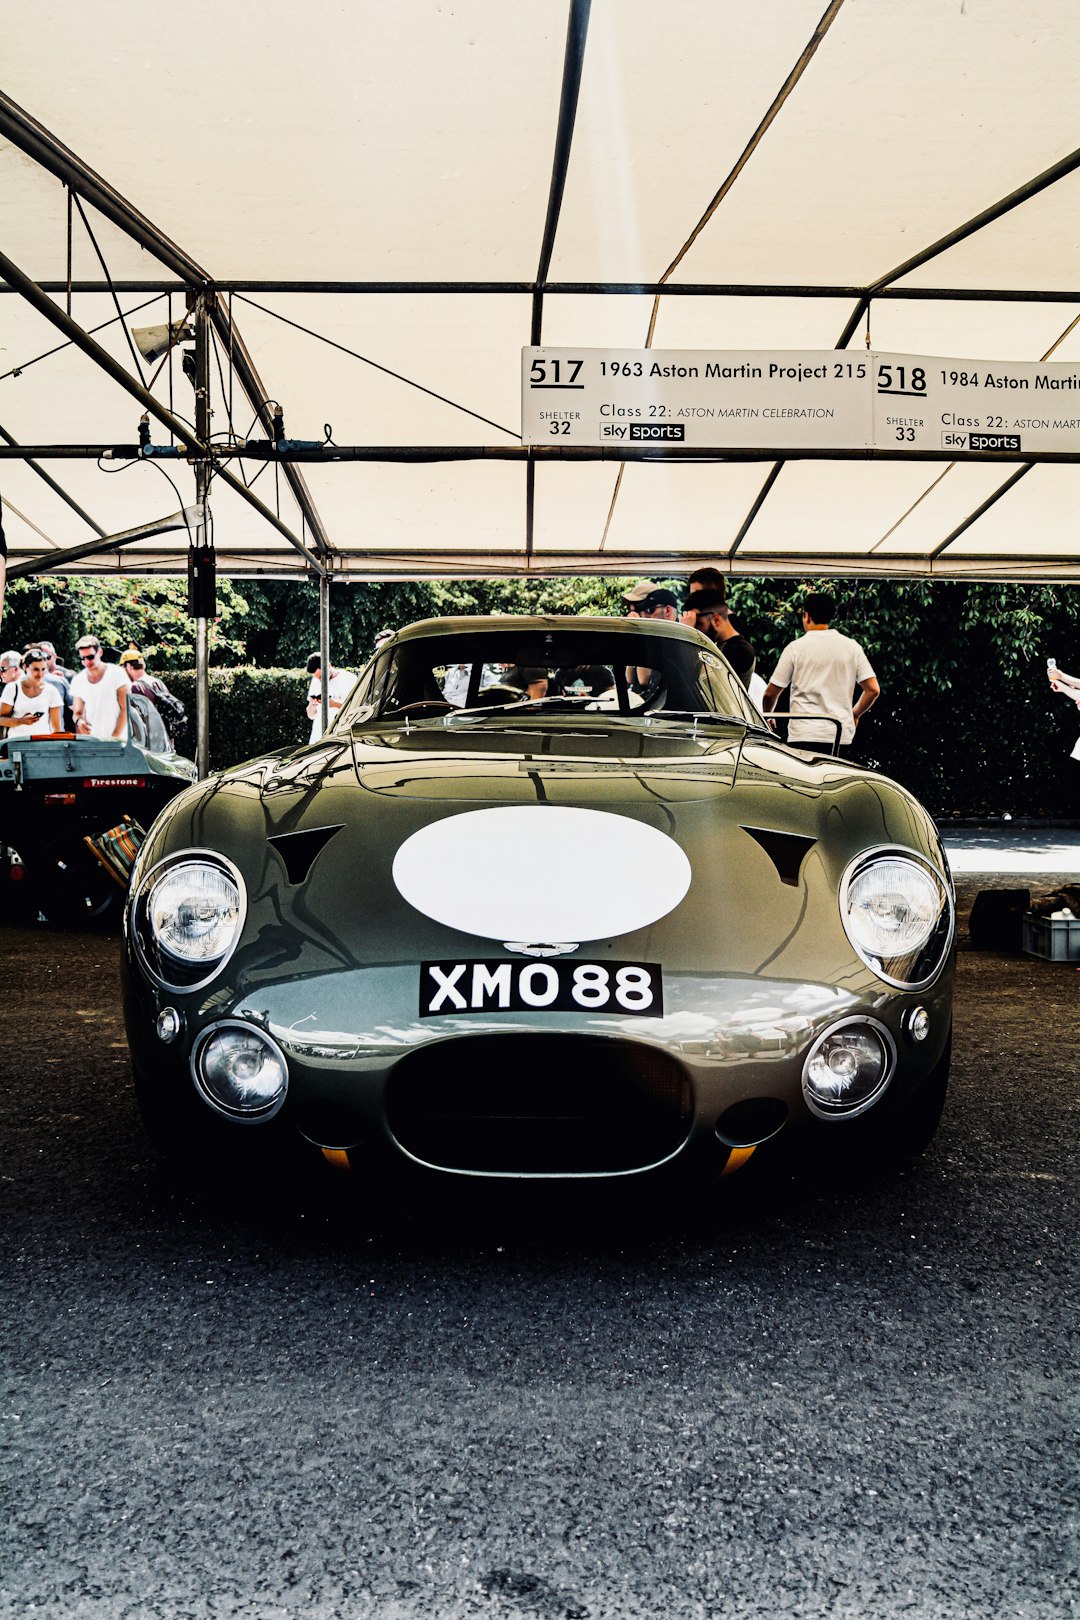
{"x": 200, "y": 554}
{"x": 112, "y": 368}
{"x": 324, "y": 645}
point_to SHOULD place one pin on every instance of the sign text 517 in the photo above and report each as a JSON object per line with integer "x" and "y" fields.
{"x": 561, "y": 373}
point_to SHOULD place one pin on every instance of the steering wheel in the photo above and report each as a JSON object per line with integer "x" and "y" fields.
{"x": 497, "y": 696}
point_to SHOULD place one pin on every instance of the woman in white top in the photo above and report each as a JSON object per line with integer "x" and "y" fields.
{"x": 31, "y": 706}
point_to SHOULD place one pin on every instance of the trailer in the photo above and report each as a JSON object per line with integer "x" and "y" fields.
{"x": 57, "y": 791}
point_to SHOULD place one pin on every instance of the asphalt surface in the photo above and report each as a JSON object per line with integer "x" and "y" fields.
{"x": 315, "y": 1401}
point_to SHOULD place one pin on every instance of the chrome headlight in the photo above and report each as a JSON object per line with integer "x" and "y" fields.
{"x": 187, "y": 917}
{"x": 897, "y": 912}
{"x": 193, "y": 911}
{"x": 240, "y": 1071}
{"x": 848, "y": 1068}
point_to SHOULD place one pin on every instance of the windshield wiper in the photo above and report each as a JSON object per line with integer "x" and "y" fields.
{"x": 712, "y": 715}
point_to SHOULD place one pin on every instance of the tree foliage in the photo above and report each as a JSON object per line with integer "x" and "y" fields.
{"x": 283, "y": 617}
{"x": 966, "y": 718}
{"x": 150, "y": 613}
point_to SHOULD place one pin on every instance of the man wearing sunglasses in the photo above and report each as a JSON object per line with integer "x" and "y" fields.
{"x": 99, "y": 694}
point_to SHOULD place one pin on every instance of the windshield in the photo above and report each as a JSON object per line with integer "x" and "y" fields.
{"x": 512, "y": 670}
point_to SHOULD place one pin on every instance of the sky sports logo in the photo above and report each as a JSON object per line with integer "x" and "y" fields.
{"x": 981, "y": 441}
{"x": 645, "y": 432}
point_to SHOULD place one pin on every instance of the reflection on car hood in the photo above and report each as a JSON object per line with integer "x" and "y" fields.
{"x": 526, "y": 763}
{"x": 664, "y": 761}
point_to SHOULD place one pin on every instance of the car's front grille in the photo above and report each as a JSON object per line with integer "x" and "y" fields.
{"x": 539, "y": 1105}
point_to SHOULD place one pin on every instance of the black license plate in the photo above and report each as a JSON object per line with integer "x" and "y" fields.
{"x": 456, "y": 988}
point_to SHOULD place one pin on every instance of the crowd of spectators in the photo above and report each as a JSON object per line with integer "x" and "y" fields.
{"x": 41, "y": 697}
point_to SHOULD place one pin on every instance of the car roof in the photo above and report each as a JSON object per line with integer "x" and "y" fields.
{"x": 472, "y": 623}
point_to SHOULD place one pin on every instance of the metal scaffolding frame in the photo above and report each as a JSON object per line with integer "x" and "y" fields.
{"x": 210, "y": 301}
{"x": 193, "y": 282}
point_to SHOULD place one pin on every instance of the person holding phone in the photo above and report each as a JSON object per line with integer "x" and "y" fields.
{"x": 31, "y": 706}
{"x": 1060, "y": 682}
{"x": 1070, "y": 685}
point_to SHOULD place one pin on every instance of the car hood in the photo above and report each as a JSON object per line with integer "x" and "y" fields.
{"x": 402, "y": 846}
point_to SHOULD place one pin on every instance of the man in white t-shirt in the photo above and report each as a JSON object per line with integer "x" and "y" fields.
{"x": 99, "y": 694}
{"x": 822, "y": 669}
{"x": 339, "y": 686}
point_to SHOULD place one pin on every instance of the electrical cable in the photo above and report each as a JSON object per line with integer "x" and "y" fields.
{"x": 140, "y": 461}
{"x": 25, "y": 365}
{"x": 386, "y": 370}
{"x": 229, "y": 433}
{"x": 112, "y": 290}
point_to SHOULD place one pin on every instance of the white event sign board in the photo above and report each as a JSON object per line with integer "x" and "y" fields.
{"x": 820, "y": 400}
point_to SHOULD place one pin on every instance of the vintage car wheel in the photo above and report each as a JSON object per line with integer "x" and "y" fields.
{"x": 15, "y": 899}
{"x": 71, "y": 887}
{"x": 193, "y": 1142}
{"x": 916, "y": 1128}
{"x": 179, "y": 1128}
{"x": 200, "y": 1151}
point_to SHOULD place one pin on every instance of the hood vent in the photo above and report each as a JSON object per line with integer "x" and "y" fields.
{"x": 299, "y": 849}
{"x": 785, "y": 850}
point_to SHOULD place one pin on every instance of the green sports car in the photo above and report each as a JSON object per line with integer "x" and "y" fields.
{"x": 549, "y": 899}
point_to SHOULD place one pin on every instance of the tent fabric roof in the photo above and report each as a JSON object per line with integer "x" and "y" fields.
{"x": 487, "y": 174}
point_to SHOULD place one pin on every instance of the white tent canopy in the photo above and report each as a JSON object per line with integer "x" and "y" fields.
{"x": 368, "y": 210}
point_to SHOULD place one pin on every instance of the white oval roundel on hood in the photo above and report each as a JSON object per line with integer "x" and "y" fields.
{"x": 541, "y": 873}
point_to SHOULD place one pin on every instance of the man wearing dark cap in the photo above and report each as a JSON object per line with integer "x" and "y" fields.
{"x": 655, "y": 604}
{"x": 659, "y": 604}
{"x": 707, "y": 611}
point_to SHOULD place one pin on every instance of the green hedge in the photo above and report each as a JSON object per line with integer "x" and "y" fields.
{"x": 966, "y": 718}
{"x": 252, "y": 711}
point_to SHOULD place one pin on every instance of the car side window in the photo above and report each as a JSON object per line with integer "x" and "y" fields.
{"x": 362, "y": 698}
{"x": 145, "y": 724}
{"x": 721, "y": 689}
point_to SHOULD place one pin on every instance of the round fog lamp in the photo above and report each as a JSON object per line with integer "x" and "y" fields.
{"x": 917, "y": 1023}
{"x": 240, "y": 1072}
{"x": 847, "y": 1069}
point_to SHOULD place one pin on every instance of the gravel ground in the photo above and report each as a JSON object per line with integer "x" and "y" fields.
{"x": 301, "y": 1402}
